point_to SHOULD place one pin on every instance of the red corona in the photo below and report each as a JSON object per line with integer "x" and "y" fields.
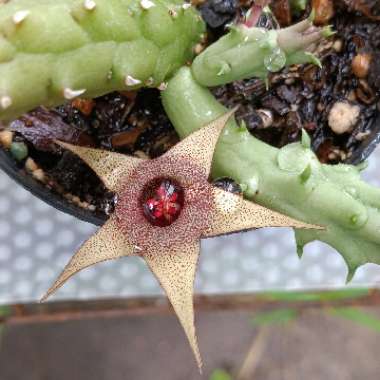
{"x": 162, "y": 201}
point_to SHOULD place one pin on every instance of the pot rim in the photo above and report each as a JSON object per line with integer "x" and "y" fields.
{"x": 10, "y": 167}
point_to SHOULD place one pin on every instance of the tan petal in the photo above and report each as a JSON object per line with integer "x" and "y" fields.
{"x": 233, "y": 214}
{"x": 107, "y": 244}
{"x": 200, "y": 145}
{"x": 175, "y": 270}
{"x": 109, "y": 166}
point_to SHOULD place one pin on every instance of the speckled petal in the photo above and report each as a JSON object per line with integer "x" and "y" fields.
{"x": 233, "y": 213}
{"x": 106, "y": 244}
{"x": 109, "y": 166}
{"x": 175, "y": 270}
{"x": 200, "y": 145}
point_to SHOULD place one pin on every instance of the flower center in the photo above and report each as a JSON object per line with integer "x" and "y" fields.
{"x": 162, "y": 201}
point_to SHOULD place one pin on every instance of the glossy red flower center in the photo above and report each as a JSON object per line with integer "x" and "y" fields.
{"x": 162, "y": 201}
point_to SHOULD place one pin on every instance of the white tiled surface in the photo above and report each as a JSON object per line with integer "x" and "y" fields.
{"x": 36, "y": 241}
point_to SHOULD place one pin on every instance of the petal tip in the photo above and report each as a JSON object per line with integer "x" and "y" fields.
{"x": 45, "y": 297}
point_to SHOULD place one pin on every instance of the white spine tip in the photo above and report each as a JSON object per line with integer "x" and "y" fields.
{"x": 130, "y": 81}
{"x": 89, "y": 5}
{"x": 186, "y": 6}
{"x": 173, "y": 13}
{"x": 147, "y": 4}
{"x": 20, "y": 16}
{"x": 163, "y": 86}
{"x": 149, "y": 81}
{"x": 71, "y": 94}
{"x": 5, "y": 102}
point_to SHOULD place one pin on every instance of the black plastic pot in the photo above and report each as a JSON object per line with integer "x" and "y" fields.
{"x": 10, "y": 167}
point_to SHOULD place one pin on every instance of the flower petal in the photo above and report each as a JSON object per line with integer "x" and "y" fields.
{"x": 200, "y": 145}
{"x": 175, "y": 270}
{"x": 233, "y": 214}
{"x": 107, "y": 244}
{"x": 109, "y": 166}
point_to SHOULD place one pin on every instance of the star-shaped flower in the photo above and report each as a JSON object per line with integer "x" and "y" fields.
{"x": 164, "y": 207}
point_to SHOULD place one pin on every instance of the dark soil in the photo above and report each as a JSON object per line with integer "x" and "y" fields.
{"x": 299, "y": 97}
{"x": 302, "y": 97}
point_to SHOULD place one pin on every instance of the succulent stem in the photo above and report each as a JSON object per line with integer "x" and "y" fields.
{"x": 55, "y": 50}
{"x": 290, "y": 180}
{"x": 253, "y": 52}
{"x": 103, "y": 46}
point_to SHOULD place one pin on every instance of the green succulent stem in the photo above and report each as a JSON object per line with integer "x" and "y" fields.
{"x": 53, "y": 51}
{"x": 247, "y": 52}
{"x": 290, "y": 180}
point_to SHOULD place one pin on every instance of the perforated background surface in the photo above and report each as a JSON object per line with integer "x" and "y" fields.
{"x": 36, "y": 241}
